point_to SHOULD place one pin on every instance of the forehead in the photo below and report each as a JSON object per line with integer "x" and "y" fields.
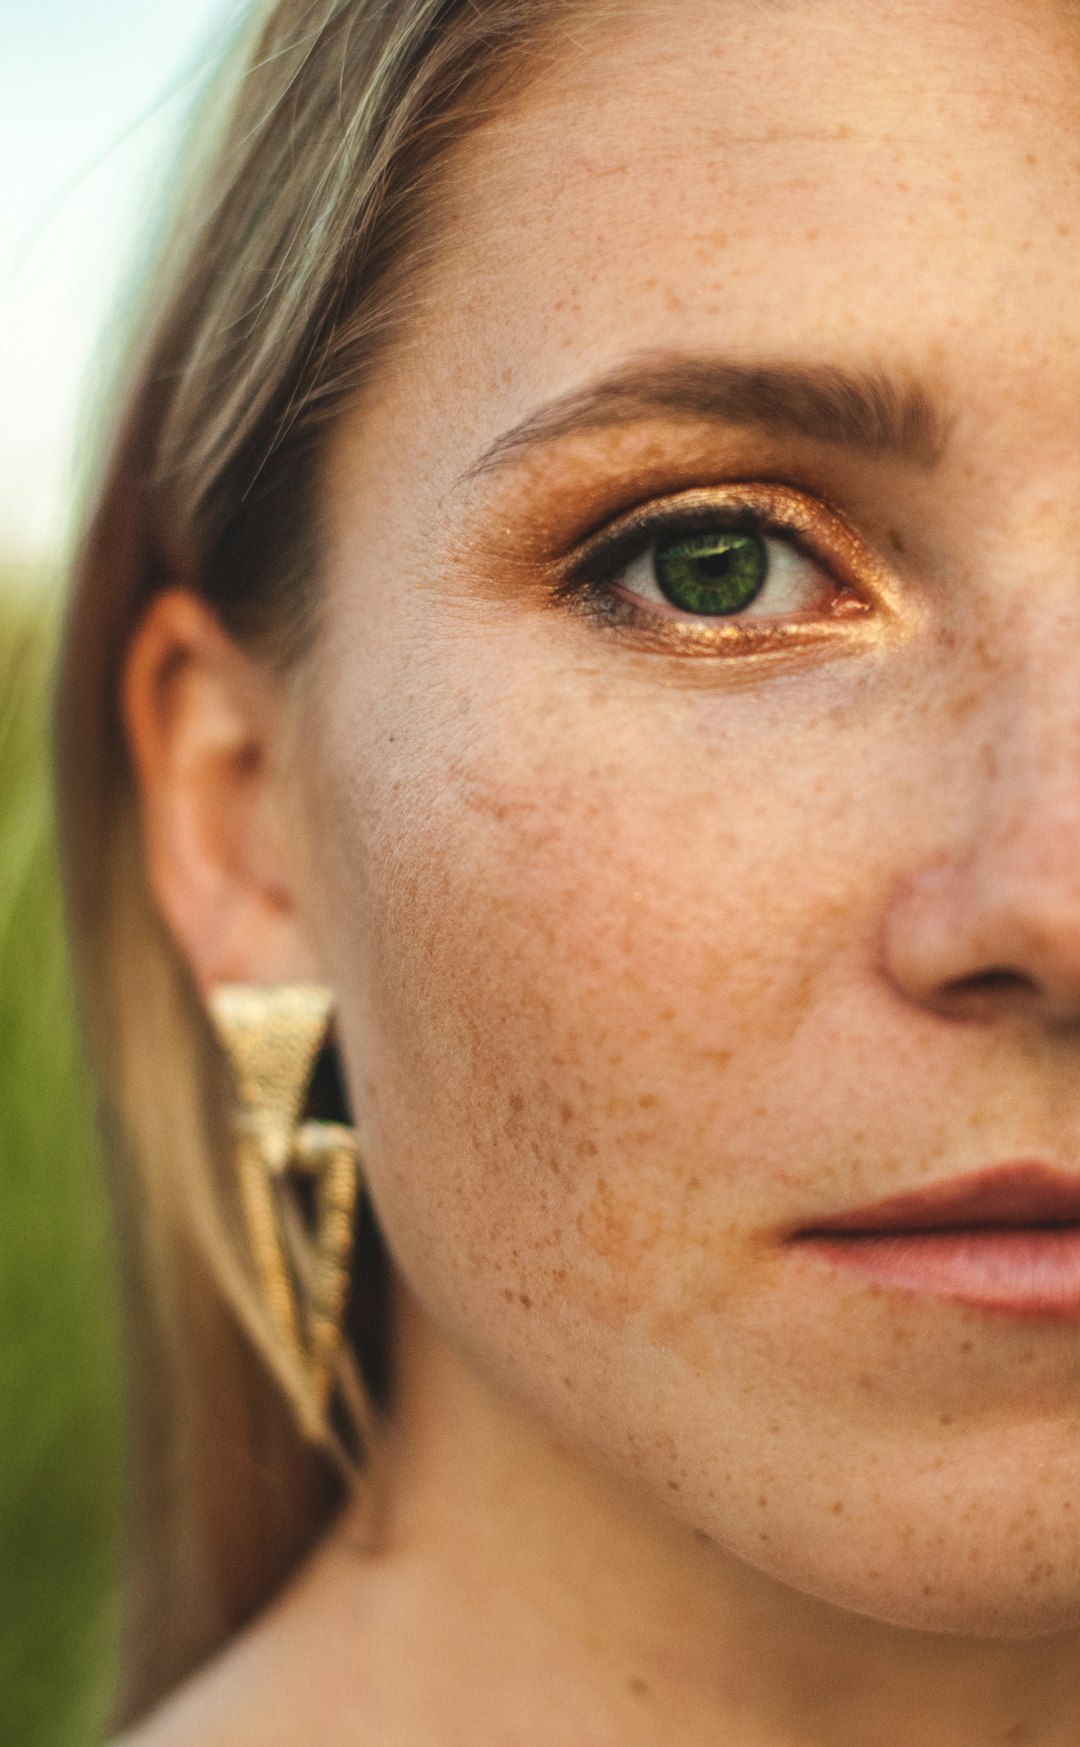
{"x": 760, "y": 178}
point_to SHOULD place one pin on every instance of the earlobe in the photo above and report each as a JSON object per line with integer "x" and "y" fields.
{"x": 201, "y": 716}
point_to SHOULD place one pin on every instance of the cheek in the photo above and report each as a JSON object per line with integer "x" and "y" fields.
{"x": 578, "y": 983}
{"x": 612, "y": 1023}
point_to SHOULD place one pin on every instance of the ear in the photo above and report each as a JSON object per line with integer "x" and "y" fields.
{"x": 203, "y": 722}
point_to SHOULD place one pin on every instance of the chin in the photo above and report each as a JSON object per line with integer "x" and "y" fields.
{"x": 1015, "y": 1587}
{"x": 951, "y": 1607}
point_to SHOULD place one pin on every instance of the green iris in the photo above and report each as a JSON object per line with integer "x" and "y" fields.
{"x": 718, "y": 572}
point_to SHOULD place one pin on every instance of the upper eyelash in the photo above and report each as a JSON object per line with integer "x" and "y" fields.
{"x": 606, "y": 554}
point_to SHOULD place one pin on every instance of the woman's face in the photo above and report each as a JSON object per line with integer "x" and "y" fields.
{"x": 669, "y": 919}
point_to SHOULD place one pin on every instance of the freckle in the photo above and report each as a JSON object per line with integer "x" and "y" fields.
{"x": 946, "y": 1419}
{"x": 525, "y": 1300}
{"x": 838, "y": 1509}
{"x": 927, "y": 1589}
{"x": 508, "y": 1295}
{"x": 1031, "y": 159}
{"x": 762, "y": 1501}
{"x": 965, "y": 1346}
{"x": 517, "y": 1103}
{"x": 568, "y": 1383}
{"x": 646, "y": 1100}
{"x": 566, "y": 1113}
{"x": 1063, "y": 230}
{"x": 639, "y": 1687}
{"x": 763, "y": 1536}
{"x": 673, "y": 1486}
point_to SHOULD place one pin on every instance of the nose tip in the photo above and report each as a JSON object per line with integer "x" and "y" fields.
{"x": 978, "y": 942}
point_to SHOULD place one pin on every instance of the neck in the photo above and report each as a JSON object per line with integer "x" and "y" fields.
{"x": 548, "y": 1602}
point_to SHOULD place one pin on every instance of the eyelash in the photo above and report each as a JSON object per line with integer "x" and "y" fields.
{"x": 591, "y": 581}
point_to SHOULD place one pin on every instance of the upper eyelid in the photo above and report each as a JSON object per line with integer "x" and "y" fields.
{"x": 752, "y": 505}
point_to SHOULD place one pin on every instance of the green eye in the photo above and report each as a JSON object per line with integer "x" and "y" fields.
{"x": 715, "y": 573}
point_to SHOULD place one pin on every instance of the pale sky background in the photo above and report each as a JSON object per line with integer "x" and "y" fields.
{"x": 92, "y": 92}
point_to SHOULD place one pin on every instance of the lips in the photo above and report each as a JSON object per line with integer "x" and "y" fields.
{"x": 1005, "y": 1239}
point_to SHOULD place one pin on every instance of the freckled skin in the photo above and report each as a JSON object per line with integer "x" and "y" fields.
{"x": 645, "y": 961}
{"x": 633, "y": 961}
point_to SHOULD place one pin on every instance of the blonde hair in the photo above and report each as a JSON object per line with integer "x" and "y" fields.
{"x": 290, "y": 265}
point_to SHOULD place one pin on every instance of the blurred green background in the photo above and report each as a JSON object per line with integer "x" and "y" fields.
{"x": 91, "y": 99}
{"x": 60, "y": 1448}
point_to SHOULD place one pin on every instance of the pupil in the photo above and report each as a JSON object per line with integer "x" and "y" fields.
{"x": 713, "y": 573}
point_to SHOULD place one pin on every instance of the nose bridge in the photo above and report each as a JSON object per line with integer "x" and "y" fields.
{"x": 1030, "y": 751}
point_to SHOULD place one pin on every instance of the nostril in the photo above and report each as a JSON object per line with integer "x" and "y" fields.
{"x": 991, "y": 981}
{"x": 987, "y": 991}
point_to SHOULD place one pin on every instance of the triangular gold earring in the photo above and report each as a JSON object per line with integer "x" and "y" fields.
{"x": 272, "y": 1037}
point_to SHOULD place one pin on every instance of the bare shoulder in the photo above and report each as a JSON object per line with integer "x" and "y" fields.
{"x": 298, "y": 1674}
{"x": 232, "y": 1700}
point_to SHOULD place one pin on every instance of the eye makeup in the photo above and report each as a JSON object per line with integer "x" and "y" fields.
{"x": 679, "y": 546}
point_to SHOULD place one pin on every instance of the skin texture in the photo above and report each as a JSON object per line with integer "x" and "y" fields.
{"x": 651, "y": 949}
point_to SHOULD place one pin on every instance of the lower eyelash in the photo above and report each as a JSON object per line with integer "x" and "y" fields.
{"x": 601, "y": 602}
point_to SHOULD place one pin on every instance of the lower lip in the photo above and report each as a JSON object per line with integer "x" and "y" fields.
{"x": 1024, "y": 1271}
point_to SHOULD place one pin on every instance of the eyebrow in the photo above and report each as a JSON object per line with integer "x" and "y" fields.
{"x": 867, "y": 410}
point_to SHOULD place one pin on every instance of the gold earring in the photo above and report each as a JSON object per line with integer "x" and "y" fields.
{"x": 272, "y": 1037}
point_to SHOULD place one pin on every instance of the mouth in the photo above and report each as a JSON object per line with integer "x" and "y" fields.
{"x": 1004, "y": 1239}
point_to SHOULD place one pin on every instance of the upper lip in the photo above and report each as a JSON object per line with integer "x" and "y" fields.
{"x": 1024, "y": 1193}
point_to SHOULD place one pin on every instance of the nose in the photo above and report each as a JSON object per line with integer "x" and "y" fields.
{"x": 990, "y": 930}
